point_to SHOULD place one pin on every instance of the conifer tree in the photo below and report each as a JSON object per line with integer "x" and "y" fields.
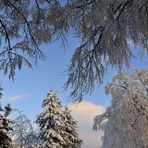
{"x": 57, "y": 127}
{"x": 5, "y": 140}
{"x": 51, "y": 123}
{"x": 71, "y": 128}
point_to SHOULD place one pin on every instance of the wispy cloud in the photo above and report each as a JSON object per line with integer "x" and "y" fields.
{"x": 84, "y": 113}
{"x": 19, "y": 97}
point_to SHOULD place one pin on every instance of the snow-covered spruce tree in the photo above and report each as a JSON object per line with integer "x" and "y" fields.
{"x": 71, "y": 128}
{"x": 51, "y": 123}
{"x": 126, "y": 124}
{"x": 5, "y": 140}
{"x": 58, "y": 129}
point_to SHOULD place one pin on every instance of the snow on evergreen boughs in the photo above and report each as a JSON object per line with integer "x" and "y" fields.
{"x": 126, "y": 118}
{"x": 51, "y": 123}
{"x": 71, "y": 129}
{"x": 57, "y": 128}
{"x": 5, "y": 140}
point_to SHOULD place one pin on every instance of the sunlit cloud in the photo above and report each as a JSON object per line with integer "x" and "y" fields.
{"x": 84, "y": 113}
{"x": 19, "y": 97}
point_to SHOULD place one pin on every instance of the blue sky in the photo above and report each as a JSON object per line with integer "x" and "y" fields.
{"x": 31, "y": 87}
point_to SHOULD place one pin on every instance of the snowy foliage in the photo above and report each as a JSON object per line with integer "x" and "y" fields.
{"x": 32, "y": 140}
{"x": 125, "y": 121}
{"x": 23, "y": 134}
{"x": 71, "y": 128}
{"x": 51, "y": 123}
{"x": 56, "y": 130}
{"x": 5, "y": 122}
{"x": 104, "y": 27}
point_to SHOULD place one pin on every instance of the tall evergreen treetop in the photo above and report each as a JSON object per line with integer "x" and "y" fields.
{"x": 58, "y": 129}
{"x": 51, "y": 123}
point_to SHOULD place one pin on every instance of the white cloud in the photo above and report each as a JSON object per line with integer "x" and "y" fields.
{"x": 19, "y": 97}
{"x": 84, "y": 113}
